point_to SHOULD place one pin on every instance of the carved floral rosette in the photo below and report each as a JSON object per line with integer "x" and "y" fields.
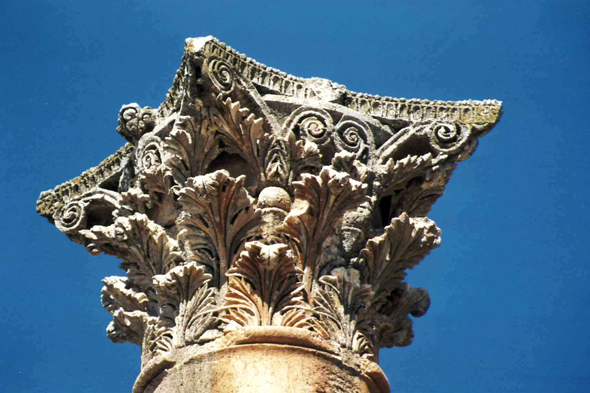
{"x": 248, "y": 200}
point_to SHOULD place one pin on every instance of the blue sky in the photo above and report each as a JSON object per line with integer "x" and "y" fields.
{"x": 509, "y": 285}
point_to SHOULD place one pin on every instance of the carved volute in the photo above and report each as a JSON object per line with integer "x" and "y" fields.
{"x": 257, "y": 208}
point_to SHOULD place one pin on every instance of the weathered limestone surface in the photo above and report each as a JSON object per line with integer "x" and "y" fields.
{"x": 266, "y": 223}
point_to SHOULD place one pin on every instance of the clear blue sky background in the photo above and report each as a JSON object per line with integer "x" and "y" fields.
{"x": 509, "y": 283}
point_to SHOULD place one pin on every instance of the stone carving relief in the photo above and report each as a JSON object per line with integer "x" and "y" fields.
{"x": 254, "y": 198}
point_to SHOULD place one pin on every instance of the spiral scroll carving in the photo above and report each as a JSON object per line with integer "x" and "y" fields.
{"x": 315, "y": 125}
{"x": 353, "y": 137}
{"x": 127, "y": 120}
{"x": 72, "y": 217}
{"x": 135, "y": 121}
{"x": 448, "y": 138}
{"x": 221, "y": 75}
{"x": 149, "y": 157}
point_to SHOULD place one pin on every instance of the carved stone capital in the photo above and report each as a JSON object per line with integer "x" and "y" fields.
{"x": 253, "y": 207}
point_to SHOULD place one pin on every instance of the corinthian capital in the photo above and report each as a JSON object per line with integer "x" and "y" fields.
{"x": 254, "y": 209}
